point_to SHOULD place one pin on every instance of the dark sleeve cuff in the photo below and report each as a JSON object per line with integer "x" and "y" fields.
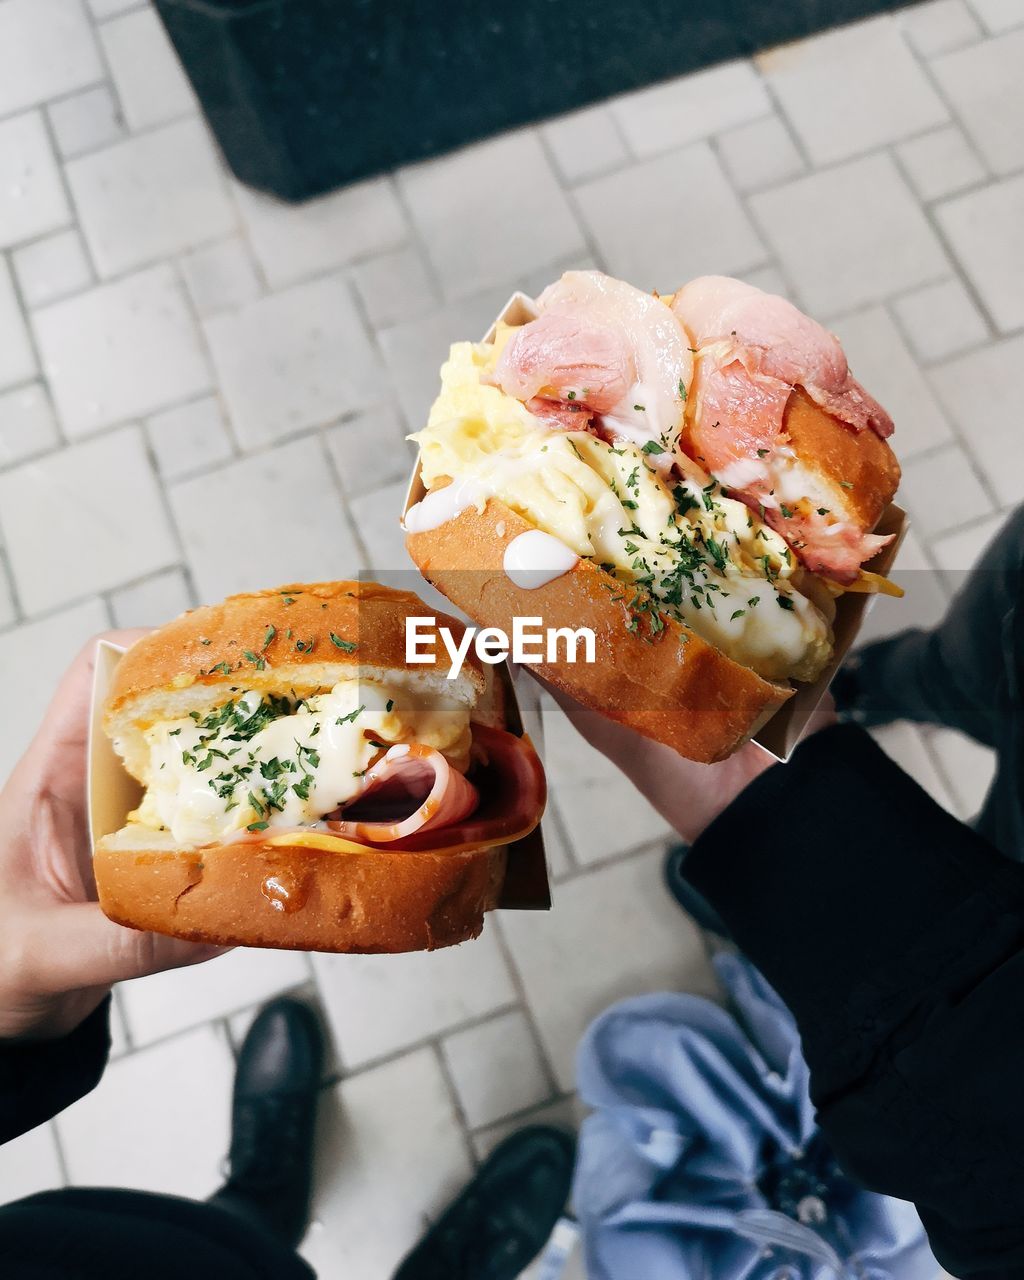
{"x": 39, "y": 1078}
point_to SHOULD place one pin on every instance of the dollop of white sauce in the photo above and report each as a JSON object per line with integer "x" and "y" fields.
{"x": 535, "y": 558}
{"x": 442, "y": 505}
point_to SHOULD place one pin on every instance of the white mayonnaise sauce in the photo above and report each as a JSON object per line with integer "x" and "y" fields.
{"x": 535, "y": 558}
{"x": 442, "y": 505}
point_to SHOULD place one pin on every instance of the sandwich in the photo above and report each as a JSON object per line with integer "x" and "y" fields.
{"x": 303, "y": 786}
{"x": 696, "y": 476}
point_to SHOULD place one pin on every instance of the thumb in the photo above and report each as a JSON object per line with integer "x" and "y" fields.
{"x": 75, "y": 946}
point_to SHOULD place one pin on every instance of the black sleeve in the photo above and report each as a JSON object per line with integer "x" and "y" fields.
{"x": 39, "y": 1078}
{"x": 896, "y": 936}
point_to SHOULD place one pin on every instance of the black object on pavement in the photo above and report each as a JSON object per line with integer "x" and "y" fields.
{"x": 502, "y": 1218}
{"x": 273, "y": 1120}
{"x": 307, "y": 95}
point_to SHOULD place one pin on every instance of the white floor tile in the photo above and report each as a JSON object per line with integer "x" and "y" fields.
{"x": 149, "y": 78}
{"x": 29, "y": 1164}
{"x": 149, "y": 196}
{"x": 39, "y": 652}
{"x": 152, "y": 602}
{"x": 984, "y": 230}
{"x": 221, "y": 276}
{"x": 969, "y": 767}
{"x": 390, "y": 1158}
{"x": 311, "y": 542}
{"x": 941, "y": 490}
{"x": 591, "y": 795}
{"x": 108, "y": 8}
{"x": 120, "y": 351}
{"x": 294, "y": 241}
{"x": 394, "y": 286}
{"x": 585, "y": 143}
{"x": 414, "y": 349}
{"x": 27, "y": 423}
{"x": 904, "y": 743}
{"x": 980, "y": 391}
{"x": 940, "y": 163}
{"x": 760, "y": 154}
{"x": 957, "y": 553}
{"x": 166, "y": 1003}
{"x": 85, "y": 121}
{"x": 17, "y": 360}
{"x": 377, "y": 518}
{"x": 370, "y": 450}
{"x": 377, "y": 1005}
{"x": 84, "y": 520}
{"x": 690, "y": 107}
{"x": 880, "y": 359}
{"x": 496, "y": 1069}
{"x": 940, "y": 320}
{"x": 986, "y": 89}
{"x": 158, "y": 1121}
{"x": 52, "y": 268}
{"x": 47, "y": 49}
{"x": 852, "y": 89}
{"x": 998, "y": 15}
{"x": 277, "y": 361}
{"x": 938, "y": 26}
{"x": 189, "y": 437}
{"x": 8, "y": 608}
{"x": 658, "y": 243}
{"x": 850, "y": 235}
{"x": 475, "y": 235}
{"x": 612, "y": 933}
{"x": 32, "y": 200}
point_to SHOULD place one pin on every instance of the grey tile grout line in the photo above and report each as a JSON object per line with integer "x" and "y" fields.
{"x": 547, "y": 1066}
{"x": 571, "y": 197}
{"x": 453, "y": 1095}
{"x": 348, "y": 518}
{"x": 40, "y": 375}
{"x": 522, "y": 1116}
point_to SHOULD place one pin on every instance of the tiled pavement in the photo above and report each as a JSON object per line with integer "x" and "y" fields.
{"x": 202, "y": 390}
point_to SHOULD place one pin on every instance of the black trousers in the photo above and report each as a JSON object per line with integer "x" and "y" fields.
{"x": 85, "y": 1233}
{"x": 966, "y": 674}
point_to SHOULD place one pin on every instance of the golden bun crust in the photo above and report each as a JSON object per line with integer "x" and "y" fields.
{"x": 675, "y": 688}
{"x": 221, "y": 646}
{"x": 254, "y": 895}
{"x": 857, "y": 466}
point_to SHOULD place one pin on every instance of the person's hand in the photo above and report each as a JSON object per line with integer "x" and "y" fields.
{"x": 59, "y": 955}
{"x": 689, "y": 796}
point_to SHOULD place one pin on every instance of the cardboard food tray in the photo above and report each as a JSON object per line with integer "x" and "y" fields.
{"x": 780, "y": 734}
{"x": 113, "y": 793}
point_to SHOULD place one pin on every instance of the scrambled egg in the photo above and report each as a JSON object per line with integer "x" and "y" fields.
{"x": 703, "y": 557}
{"x": 258, "y": 762}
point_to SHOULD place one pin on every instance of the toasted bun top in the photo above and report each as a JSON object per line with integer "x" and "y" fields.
{"x": 303, "y": 638}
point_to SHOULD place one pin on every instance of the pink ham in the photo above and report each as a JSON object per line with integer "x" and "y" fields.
{"x": 769, "y": 337}
{"x": 411, "y": 789}
{"x": 602, "y": 356}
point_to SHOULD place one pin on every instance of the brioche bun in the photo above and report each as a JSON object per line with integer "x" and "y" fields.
{"x": 674, "y": 687}
{"x": 263, "y": 891}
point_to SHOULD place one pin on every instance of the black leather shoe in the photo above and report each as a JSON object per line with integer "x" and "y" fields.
{"x": 273, "y": 1120}
{"x": 504, "y": 1216}
{"x": 693, "y": 903}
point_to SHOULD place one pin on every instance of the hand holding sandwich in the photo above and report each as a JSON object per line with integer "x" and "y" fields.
{"x": 59, "y": 955}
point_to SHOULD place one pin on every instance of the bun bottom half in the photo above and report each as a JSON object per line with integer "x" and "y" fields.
{"x": 673, "y": 687}
{"x": 253, "y": 895}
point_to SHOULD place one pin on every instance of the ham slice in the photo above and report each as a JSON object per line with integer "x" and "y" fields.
{"x": 753, "y": 349}
{"x": 602, "y": 356}
{"x": 771, "y": 338}
{"x": 414, "y": 800}
{"x": 410, "y": 789}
